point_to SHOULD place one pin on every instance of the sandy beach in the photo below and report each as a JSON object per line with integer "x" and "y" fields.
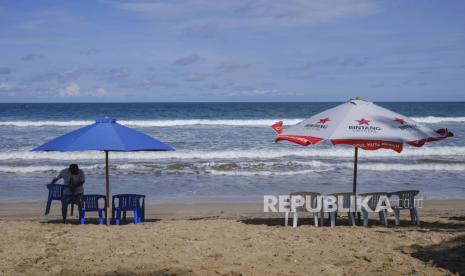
{"x": 229, "y": 239}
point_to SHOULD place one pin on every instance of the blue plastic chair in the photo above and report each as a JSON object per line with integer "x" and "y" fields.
{"x": 89, "y": 203}
{"x": 55, "y": 192}
{"x": 128, "y": 202}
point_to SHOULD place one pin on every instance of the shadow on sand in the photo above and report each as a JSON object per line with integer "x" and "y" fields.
{"x": 425, "y": 226}
{"x": 94, "y": 221}
{"x": 448, "y": 255}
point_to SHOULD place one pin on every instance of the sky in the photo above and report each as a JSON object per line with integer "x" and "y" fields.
{"x": 230, "y": 51}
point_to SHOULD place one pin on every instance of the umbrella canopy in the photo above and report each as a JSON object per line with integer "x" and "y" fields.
{"x": 104, "y": 135}
{"x": 363, "y": 125}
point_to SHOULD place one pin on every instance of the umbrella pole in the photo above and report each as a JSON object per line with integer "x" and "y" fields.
{"x": 107, "y": 176}
{"x": 354, "y": 187}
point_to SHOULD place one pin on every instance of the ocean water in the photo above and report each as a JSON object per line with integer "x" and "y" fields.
{"x": 225, "y": 152}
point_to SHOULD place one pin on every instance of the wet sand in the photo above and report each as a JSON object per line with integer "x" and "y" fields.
{"x": 229, "y": 239}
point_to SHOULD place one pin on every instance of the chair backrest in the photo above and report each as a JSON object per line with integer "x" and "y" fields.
{"x": 127, "y": 201}
{"x": 345, "y": 197}
{"x": 55, "y": 191}
{"x": 373, "y": 202}
{"x": 406, "y": 198}
{"x": 90, "y": 202}
{"x": 313, "y": 196}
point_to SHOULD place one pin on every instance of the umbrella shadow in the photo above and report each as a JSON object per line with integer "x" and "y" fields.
{"x": 448, "y": 254}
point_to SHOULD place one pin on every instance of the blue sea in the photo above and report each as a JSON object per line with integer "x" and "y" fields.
{"x": 225, "y": 152}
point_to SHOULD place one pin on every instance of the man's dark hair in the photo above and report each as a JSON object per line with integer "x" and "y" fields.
{"x": 74, "y": 169}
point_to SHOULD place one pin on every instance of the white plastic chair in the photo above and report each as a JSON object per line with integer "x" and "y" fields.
{"x": 345, "y": 204}
{"x": 406, "y": 201}
{"x": 295, "y": 212}
{"x": 372, "y": 204}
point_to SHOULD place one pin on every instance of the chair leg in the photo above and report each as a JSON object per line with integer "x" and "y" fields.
{"x": 100, "y": 216}
{"x": 397, "y": 216}
{"x": 412, "y": 216}
{"x": 82, "y": 214}
{"x": 47, "y": 207}
{"x": 315, "y": 218}
{"x": 322, "y": 218}
{"x": 143, "y": 213}
{"x": 118, "y": 216}
{"x": 136, "y": 216}
{"x": 365, "y": 217}
{"x": 295, "y": 218}
{"x": 64, "y": 210}
{"x": 417, "y": 218}
{"x": 286, "y": 219}
{"x": 352, "y": 218}
{"x": 124, "y": 216}
{"x": 332, "y": 217}
{"x": 383, "y": 217}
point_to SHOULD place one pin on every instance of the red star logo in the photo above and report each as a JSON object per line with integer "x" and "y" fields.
{"x": 400, "y": 120}
{"x": 324, "y": 120}
{"x": 363, "y": 121}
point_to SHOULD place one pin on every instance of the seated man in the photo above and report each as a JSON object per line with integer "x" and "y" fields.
{"x": 74, "y": 178}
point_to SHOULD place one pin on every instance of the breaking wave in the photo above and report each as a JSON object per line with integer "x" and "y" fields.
{"x": 156, "y": 123}
{"x": 202, "y": 122}
{"x": 259, "y": 154}
{"x": 241, "y": 168}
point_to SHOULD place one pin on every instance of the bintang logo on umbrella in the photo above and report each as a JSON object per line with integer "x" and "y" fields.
{"x": 320, "y": 124}
{"x": 364, "y": 126}
{"x": 403, "y": 124}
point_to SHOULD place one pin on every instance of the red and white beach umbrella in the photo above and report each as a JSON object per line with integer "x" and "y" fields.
{"x": 360, "y": 124}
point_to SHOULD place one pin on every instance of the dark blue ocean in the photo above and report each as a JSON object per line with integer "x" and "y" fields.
{"x": 225, "y": 152}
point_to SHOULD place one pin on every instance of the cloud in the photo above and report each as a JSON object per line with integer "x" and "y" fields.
{"x": 117, "y": 73}
{"x": 261, "y": 93}
{"x": 232, "y": 67}
{"x": 5, "y": 86}
{"x": 344, "y": 61}
{"x": 31, "y": 57}
{"x": 70, "y": 90}
{"x": 194, "y": 77}
{"x": 187, "y": 60}
{"x": 101, "y": 92}
{"x": 203, "y": 31}
{"x": 5, "y": 70}
{"x": 149, "y": 83}
{"x": 63, "y": 75}
{"x": 252, "y": 14}
{"x": 88, "y": 52}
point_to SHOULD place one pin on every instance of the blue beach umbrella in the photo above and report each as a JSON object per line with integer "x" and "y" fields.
{"x": 104, "y": 135}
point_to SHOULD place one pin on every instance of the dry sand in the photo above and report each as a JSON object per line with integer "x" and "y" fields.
{"x": 229, "y": 239}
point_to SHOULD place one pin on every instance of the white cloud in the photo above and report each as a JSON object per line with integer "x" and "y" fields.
{"x": 101, "y": 92}
{"x": 258, "y": 13}
{"x": 70, "y": 90}
{"x": 261, "y": 92}
{"x": 5, "y": 86}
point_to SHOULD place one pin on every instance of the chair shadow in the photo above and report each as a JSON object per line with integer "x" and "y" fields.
{"x": 162, "y": 272}
{"x": 343, "y": 221}
{"x": 448, "y": 255}
{"x": 461, "y": 218}
{"x": 94, "y": 221}
{"x": 302, "y": 221}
